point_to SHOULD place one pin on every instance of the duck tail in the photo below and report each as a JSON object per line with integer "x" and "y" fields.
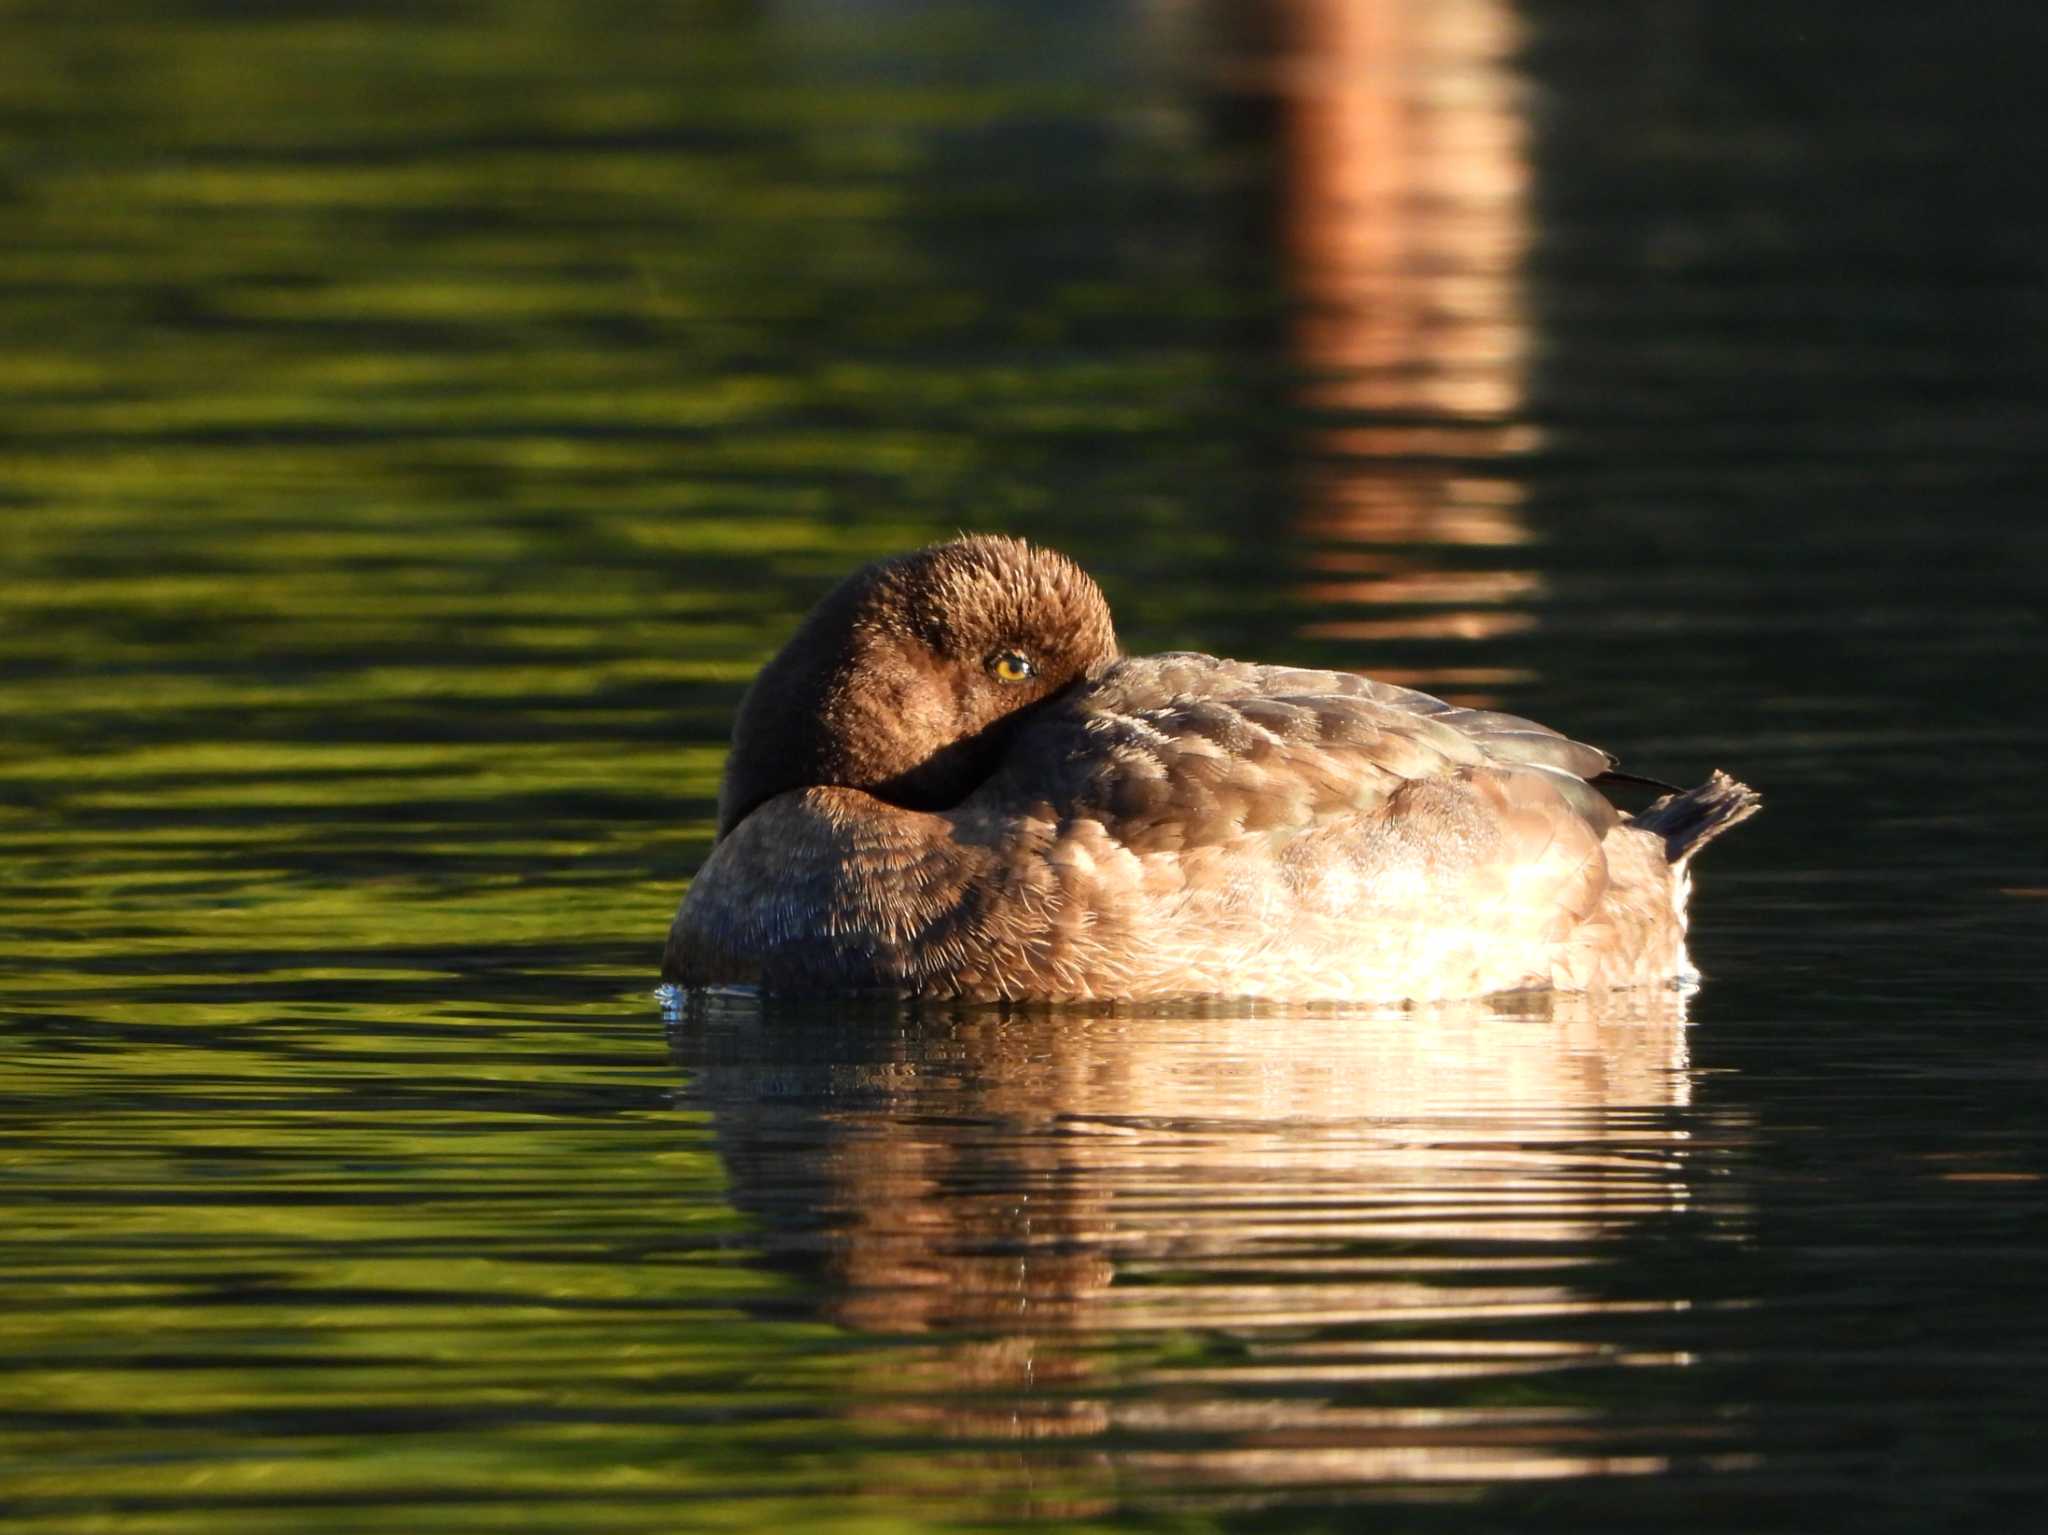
{"x": 1688, "y": 822}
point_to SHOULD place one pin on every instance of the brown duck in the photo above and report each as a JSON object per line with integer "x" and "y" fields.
{"x": 950, "y": 784}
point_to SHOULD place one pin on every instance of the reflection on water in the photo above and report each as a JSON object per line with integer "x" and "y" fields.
{"x": 1320, "y": 1207}
{"x": 1405, "y": 222}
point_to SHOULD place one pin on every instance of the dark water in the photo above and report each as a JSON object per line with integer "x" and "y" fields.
{"x": 418, "y": 422}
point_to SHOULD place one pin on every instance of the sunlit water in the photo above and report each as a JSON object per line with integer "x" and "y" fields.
{"x": 415, "y": 425}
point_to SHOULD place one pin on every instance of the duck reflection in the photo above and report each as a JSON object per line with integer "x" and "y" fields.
{"x": 1240, "y": 1212}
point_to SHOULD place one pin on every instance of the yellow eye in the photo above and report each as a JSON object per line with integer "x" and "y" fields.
{"x": 1011, "y": 666}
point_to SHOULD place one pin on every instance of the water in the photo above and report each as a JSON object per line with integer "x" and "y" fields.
{"x": 418, "y": 422}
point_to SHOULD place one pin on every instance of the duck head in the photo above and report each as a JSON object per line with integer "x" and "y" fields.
{"x": 907, "y": 678}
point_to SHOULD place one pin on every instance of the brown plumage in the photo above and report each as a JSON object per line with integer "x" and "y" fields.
{"x": 948, "y": 783}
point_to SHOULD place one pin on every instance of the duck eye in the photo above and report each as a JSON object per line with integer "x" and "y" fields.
{"x": 1011, "y": 666}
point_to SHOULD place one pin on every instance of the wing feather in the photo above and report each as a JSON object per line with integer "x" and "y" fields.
{"x": 1211, "y": 748}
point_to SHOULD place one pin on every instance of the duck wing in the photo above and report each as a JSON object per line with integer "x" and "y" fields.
{"x": 1183, "y": 749}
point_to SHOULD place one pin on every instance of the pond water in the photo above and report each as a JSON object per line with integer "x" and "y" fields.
{"x": 417, "y": 422}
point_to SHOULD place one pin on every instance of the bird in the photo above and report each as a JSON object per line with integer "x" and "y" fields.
{"x": 951, "y": 784}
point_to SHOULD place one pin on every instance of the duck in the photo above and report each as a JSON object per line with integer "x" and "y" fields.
{"x": 951, "y": 784}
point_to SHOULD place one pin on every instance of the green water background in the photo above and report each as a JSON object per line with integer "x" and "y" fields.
{"x": 417, "y": 422}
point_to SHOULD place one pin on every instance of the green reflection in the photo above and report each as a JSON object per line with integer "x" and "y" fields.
{"x": 416, "y": 425}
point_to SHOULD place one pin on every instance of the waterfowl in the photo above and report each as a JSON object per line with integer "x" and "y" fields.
{"x": 949, "y": 783}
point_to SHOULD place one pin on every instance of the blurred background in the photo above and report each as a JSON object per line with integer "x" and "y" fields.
{"x": 418, "y": 421}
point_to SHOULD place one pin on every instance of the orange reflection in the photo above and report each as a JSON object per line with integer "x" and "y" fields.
{"x": 1405, "y": 222}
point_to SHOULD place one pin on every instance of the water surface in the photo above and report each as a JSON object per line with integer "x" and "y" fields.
{"x": 417, "y": 423}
